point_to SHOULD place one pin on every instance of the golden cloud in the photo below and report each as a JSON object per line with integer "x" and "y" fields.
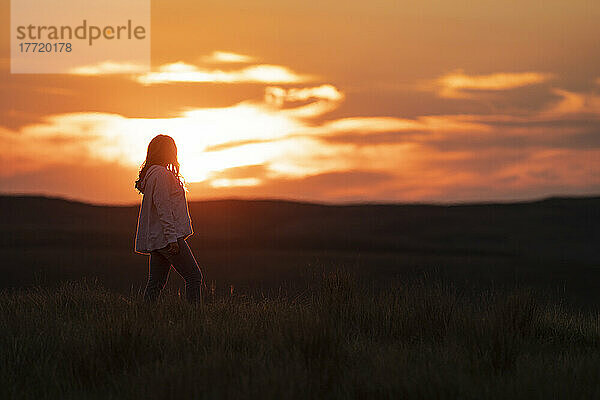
{"x": 109, "y": 67}
{"x": 277, "y": 95}
{"x": 226, "y": 57}
{"x": 327, "y": 99}
{"x": 573, "y": 103}
{"x": 287, "y": 135}
{"x": 457, "y": 84}
{"x": 183, "y": 72}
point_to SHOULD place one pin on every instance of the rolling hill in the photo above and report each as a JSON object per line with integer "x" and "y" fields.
{"x": 551, "y": 243}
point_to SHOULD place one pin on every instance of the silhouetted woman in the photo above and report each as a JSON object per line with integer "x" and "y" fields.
{"x": 164, "y": 222}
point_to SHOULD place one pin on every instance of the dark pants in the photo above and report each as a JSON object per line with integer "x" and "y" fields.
{"x": 185, "y": 265}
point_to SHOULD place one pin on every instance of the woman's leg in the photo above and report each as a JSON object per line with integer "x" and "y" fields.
{"x": 185, "y": 264}
{"x": 158, "y": 273}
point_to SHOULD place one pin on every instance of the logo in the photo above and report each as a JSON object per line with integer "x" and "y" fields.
{"x": 79, "y": 35}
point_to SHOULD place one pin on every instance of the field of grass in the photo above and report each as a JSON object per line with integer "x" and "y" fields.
{"x": 550, "y": 244}
{"x": 335, "y": 337}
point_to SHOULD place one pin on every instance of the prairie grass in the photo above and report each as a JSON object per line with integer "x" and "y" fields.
{"x": 338, "y": 338}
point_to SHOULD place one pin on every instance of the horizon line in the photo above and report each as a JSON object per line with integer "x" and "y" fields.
{"x": 317, "y": 202}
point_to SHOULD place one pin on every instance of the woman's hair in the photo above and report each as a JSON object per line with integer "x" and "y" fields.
{"x": 161, "y": 151}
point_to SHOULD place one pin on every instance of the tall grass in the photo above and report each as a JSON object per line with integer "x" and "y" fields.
{"x": 340, "y": 338}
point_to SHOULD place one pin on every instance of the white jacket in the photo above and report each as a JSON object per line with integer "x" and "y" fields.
{"x": 164, "y": 214}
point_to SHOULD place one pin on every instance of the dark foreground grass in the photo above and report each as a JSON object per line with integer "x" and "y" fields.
{"x": 340, "y": 339}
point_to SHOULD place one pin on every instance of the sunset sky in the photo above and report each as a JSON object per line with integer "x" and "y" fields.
{"x": 428, "y": 101}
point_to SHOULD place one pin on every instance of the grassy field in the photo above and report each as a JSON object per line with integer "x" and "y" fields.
{"x": 336, "y": 336}
{"x": 479, "y": 301}
{"x": 550, "y": 244}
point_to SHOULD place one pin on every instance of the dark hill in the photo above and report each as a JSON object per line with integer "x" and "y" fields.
{"x": 552, "y": 242}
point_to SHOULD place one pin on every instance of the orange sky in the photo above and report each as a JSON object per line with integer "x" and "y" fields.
{"x": 332, "y": 101}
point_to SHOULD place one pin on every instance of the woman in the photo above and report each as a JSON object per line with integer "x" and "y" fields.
{"x": 164, "y": 222}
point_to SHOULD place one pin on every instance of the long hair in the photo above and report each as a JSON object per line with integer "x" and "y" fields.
{"x": 161, "y": 151}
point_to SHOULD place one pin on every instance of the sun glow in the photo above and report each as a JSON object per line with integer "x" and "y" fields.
{"x": 210, "y": 140}
{"x": 286, "y": 138}
{"x": 234, "y": 182}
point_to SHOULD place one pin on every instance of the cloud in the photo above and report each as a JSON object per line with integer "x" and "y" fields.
{"x": 367, "y": 129}
{"x": 331, "y": 186}
{"x": 183, "y": 72}
{"x": 109, "y": 67}
{"x": 238, "y": 182}
{"x": 277, "y": 95}
{"x": 328, "y": 99}
{"x": 286, "y": 145}
{"x": 457, "y": 84}
{"x": 572, "y": 103}
{"x": 226, "y": 57}
{"x": 282, "y": 139}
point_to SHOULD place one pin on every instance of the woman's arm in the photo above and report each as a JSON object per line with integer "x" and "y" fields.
{"x": 161, "y": 199}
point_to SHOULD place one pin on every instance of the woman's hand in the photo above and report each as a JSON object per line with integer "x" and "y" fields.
{"x": 173, "y": 248}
